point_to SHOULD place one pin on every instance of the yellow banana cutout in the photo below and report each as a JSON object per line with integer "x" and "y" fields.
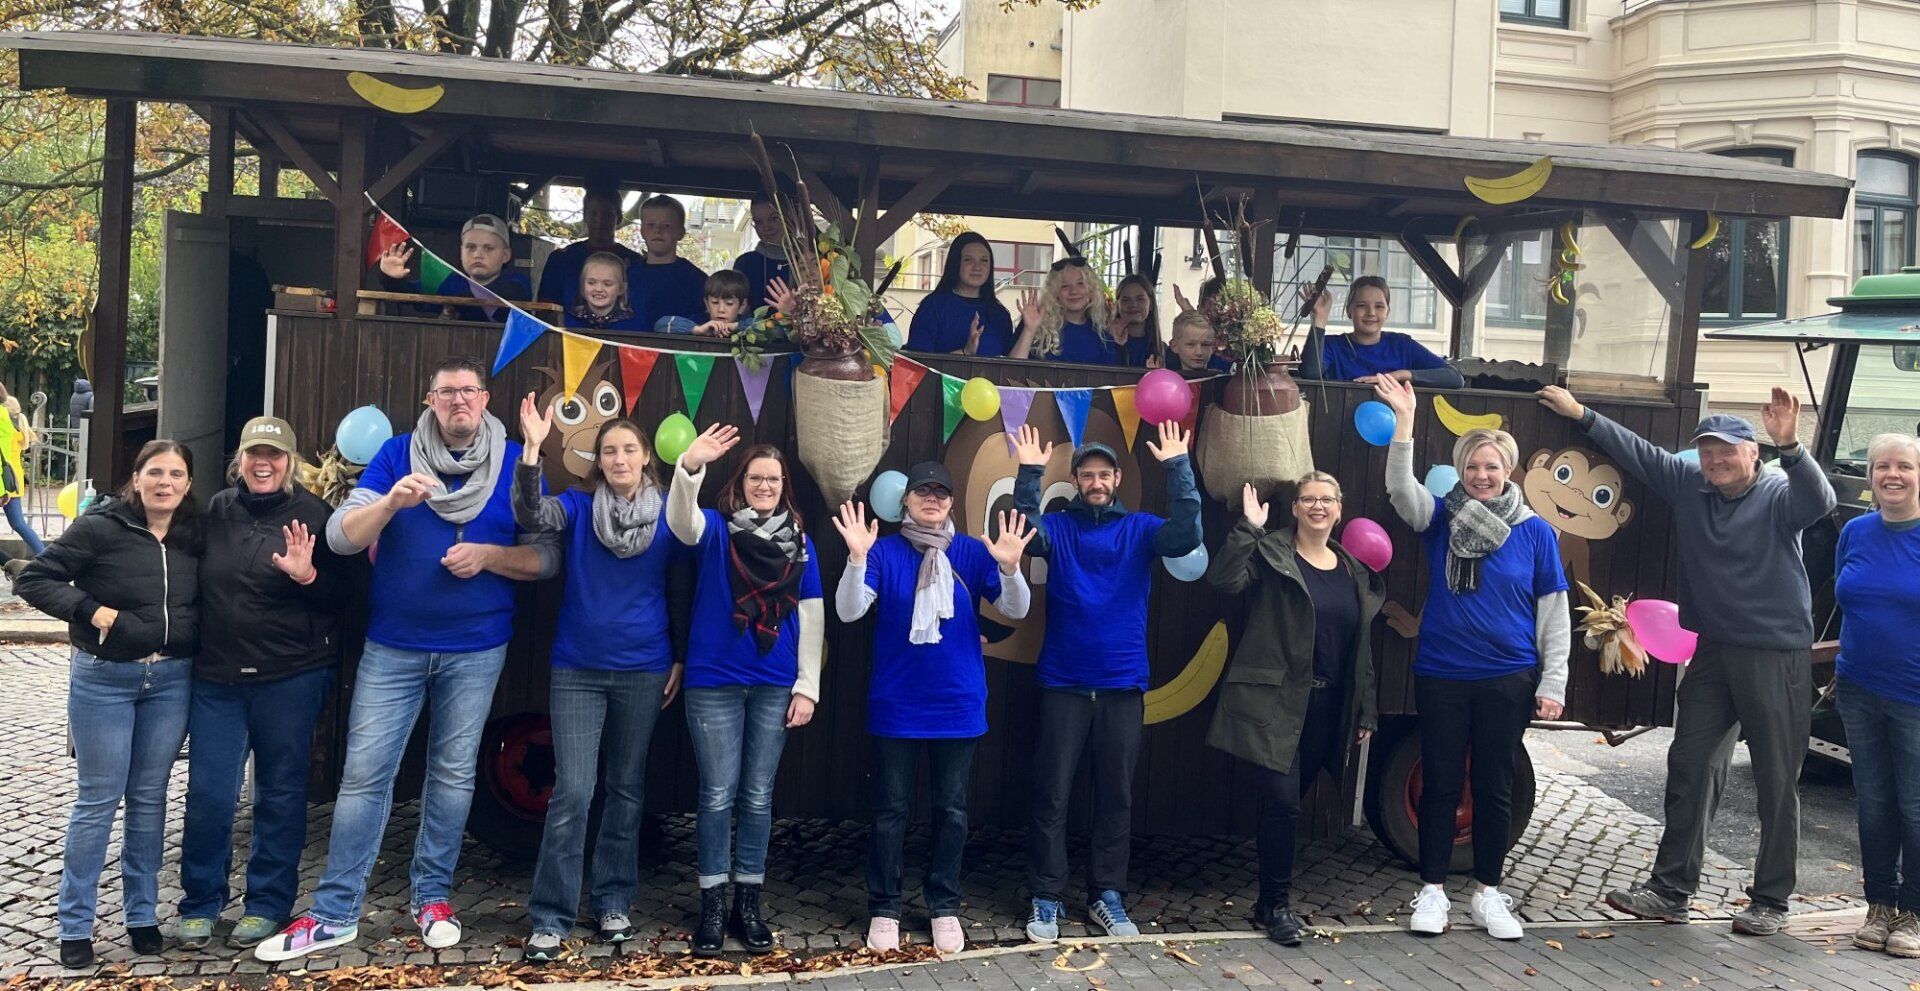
{"x": 1512, "y": 188}
{"x": 395, "y": 99}
{"x": 1459, "y": 423}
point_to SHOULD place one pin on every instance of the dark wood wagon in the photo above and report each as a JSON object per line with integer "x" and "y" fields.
{"x": 506, "y": 129}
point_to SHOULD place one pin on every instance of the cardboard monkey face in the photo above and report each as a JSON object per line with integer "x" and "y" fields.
{"x": 1579, "y": 492}
{"x": 568, "y": 451}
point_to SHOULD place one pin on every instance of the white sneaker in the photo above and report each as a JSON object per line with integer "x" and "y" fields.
{"x": 1492, "y": 911}
{"x": 883, "y": 934}
{"x": 1430, "y": 908}
{"x": 439, "y": 927}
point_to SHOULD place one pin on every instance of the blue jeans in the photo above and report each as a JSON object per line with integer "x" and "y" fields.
{"x": 738, "y": 732}
{"x": 388, "y": 693}
{"x": 1883, "y": 736}
{"x": 274, "y": 721}
{"x": 895, "y": 770}
{"x": 595, "y": 713}
{"x": 128, "y": 720}
{"x": 17, "y": 518}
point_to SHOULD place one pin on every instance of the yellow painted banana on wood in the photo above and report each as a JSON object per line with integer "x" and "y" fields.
{"x": 395, "y": 99}
{"x": 1512, "y": 188}
{"x": 1713, "y": 231}
{"x": 1458, "y": 423}
{"x": 1194, "y": 681}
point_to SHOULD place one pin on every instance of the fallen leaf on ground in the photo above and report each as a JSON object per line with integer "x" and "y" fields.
{"x": 1602, "y": 934}
{"x": 1555, "y": 944}
{"x": 1530, "y": 972}
{"x": 1183, "y": 958}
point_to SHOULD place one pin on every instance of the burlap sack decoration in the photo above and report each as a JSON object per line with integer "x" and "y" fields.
{"x": 842, "y": 431}
{"x": 1264, "y": 450}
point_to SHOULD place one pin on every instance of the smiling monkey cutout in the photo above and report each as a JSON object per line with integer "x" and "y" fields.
{"x": 1582, "y": 495}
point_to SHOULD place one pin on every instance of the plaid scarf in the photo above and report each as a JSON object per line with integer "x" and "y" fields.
{"x": 768, "y": 555}
{"x": 1477, "y": 529}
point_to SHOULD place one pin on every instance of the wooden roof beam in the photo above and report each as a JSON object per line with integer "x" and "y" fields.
{"x": 1651, "y": 250}
{"x": 422, "y": 154}
{"x": 1428, "y": 258}
{"x": 291, "y": 149}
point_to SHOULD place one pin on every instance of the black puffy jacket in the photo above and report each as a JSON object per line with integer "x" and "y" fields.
{"x": 109, "y": 558}
{"x": 257, "y": 624}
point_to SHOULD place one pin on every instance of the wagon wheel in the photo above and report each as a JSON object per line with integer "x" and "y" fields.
{"x": 1393, "y": 800}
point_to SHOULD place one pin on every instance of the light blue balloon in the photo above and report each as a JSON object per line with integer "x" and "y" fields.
{"x": 1689, "y": 454}
{"x": 1188, "y": 567}
{"x": 1374, "y": 420}
{"x": 361, "y": 433}
{"x": 887, "y": 495}
{"x": 1441, "y": 479}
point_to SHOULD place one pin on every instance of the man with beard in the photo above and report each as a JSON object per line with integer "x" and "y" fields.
{"x": 1093, "y": 667}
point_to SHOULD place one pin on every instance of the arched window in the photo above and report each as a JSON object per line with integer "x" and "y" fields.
{"x": 1884, "y": 205}
{"x": 1747, "y": 263}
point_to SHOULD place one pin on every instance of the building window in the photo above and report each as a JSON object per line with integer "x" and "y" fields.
{"x": 1883, "y": 213}
{"x": 1548, "y": 13}
{"x": 1019, "y": 263}
{"x": 1517, "y": 295}
{"x": 1414, "y": 300}
{"x": 1747, "y": 263}
{"x": 1021, "y": 91}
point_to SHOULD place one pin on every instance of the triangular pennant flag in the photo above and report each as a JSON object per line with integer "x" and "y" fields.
{"x": 385, "y": 234}
{"x": 433, "y": 273}
{"x": 521, "y": 332}
{"x": 950, "y": 398}
{"x": 1193, "y": 408}
{"x": 902, "y": 381}
{"x": 635, "y": 365}
{"x": 754, "y": 384}
{"x": 1074, "y": 405}
{"x": 488, "y": 296}
{"x": 576, "y": 356}
{"x": 1015, "y": 404}
{"x": 1129, "y": 415}
{"x": 694, "y": 370}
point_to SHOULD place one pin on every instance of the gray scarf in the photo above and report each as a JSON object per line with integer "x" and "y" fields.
{"x": 480, "y": 465}
{"x": 625, "y": 526}
{"x": 933, "y": 589}
{"x": 1477, "y": 529}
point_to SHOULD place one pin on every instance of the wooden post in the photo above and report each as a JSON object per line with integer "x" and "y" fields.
{"x": 1266, "y": 221}
{"x": 108, "y": 363}
{"x": 1683, "y": 321}
{"x": 269, "y": 174}
{"x": 219, "y": 163}
{"x": 350, "y": 218}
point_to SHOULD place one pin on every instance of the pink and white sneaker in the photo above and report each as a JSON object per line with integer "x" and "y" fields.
{"x": 439, "y": 927}
{"x": 948, "y": 936}
{"x": 306, "y": 935}
{"x": 883, "y": 934}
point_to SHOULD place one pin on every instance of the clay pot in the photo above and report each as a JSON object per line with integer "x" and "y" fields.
{"x": 1270, "y": 393}
{"x": 837, "y": 365}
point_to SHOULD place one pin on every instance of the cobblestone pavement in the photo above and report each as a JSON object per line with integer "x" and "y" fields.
{"x": 1579, "y": 844}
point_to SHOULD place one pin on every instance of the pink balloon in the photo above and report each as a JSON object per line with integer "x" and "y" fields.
{"x": 1161, "y": 396}
{"x": 1657, "y": 623}
{"x": 1366, "y": 540}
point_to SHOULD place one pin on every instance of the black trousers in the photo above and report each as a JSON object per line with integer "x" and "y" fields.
{"x": 1102, "y": 725}
{"x": 1279, "y": 793}
{"x": 1486, "y": 719}
{"x": 896, "y": 768}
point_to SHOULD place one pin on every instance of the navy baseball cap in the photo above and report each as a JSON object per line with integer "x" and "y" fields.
{"x": 929, "y": 473}
{"x": 1094, "y": 449}
{"x": 1724, "y": 426}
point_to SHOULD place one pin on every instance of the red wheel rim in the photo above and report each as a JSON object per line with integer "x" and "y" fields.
{"x": 1462, "y": 816}
{"x": 518, "y": 767}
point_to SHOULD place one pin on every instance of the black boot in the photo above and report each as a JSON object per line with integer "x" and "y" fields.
{"x": 712, "y": 934}
{"x": 1262, "y": 913}
{"x": 746, "y": 923}
{"x": 146, "y": 940}
{"x": 76, "y": 954}
{"x": 1284, "y": 927}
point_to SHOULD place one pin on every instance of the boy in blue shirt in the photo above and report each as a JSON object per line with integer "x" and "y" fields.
{"x": 486, "y": 255}
{"x": 1370, "y": 349}
{"x": 1093, "y": 667}
{"x": 664, "y": 285}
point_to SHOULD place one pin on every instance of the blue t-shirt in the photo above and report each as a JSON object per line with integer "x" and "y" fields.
{"x": 1488, "y": 632}
{"x": 415, "y": 603}
{"x": 509, "y": 285}
{"x": 761, "y": 268}
{"x": 928, "y": 690}
{"x": 1877, "y": 583}
{"x": 676, "y": 289}
{"x": 944, "y": 320}
{"x": 719, "y": 653}
{"x": 1342, "y": 359}
{"x": 613, "y": 610}
{"x": 1086, "y": 344}
{"x": 560, "y": 278}
{"x": 1098, "y": 578}
{"x": 1137, "y": 350}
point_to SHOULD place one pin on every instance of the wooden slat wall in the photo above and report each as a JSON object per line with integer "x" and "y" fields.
{"x": 1184, "y": 786}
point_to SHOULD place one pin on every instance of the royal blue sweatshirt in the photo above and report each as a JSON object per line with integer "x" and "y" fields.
{"x": 1877, "y": 582}
{"x": 945, "y": 320}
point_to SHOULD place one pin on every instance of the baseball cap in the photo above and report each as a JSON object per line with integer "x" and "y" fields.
{"x": 1093, "y": 449}
{"x": 489, "y": 223}
{"x": 1724, "y": 426}
{"x": 929, "y": 473}
{"x": 268, "y": 431}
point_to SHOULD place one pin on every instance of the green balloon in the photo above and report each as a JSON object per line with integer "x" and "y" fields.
{"x": 674, "y": 435}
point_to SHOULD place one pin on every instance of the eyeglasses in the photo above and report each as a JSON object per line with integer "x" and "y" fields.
{"x": 768, "y": 480}
{"x": 1074, "y": 260}
{"x": 1317, "y": 500}
{"x": 449, "y": 394}
{"x": 932, "y": 492}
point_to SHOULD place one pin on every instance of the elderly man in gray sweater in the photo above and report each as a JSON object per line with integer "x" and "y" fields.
{"x": 1744, "y": 589}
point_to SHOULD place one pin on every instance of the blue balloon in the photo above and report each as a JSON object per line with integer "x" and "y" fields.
{"x": 1374, "y": 420}
{"x": 887, "y": 495}
{"x": 1188, "y": 567}
{"x": 1689, "y": 454}
{"x": 361, "y": 433}
{"x": 1441, "y": 479}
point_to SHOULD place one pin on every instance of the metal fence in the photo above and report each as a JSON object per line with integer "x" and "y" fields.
{"x": 56, "y": 458}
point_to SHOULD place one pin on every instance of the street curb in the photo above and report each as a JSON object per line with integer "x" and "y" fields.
{"x": 36, "y": 631}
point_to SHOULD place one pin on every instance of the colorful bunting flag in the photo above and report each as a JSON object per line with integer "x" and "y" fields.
{"x": 905, "y": 378}
{"x": 1129, "y": 415}
{"x": 487, "y": 296}
{"x": 636, "y": 364}
{"x": 386, "y": 233}
{"x": 576, "y": 357}
{"x": 694, "y": 371}
{"x": 1074, "y": 405}
{"x": 522, "y": 330}
{"x": 1015, "y": 404}
{"x": 952, "y": 412}
{"x": 433, "y": 273}
{"x": 754, "y": 384}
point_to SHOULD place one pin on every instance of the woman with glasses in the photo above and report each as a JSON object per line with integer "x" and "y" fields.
{"x": 1066, "y": 320}
{"x": 752, "y": 670}
{"x": 1299, "y": 692}
{"x": 961, "y": 315}
{"x": 929, "y": 687}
